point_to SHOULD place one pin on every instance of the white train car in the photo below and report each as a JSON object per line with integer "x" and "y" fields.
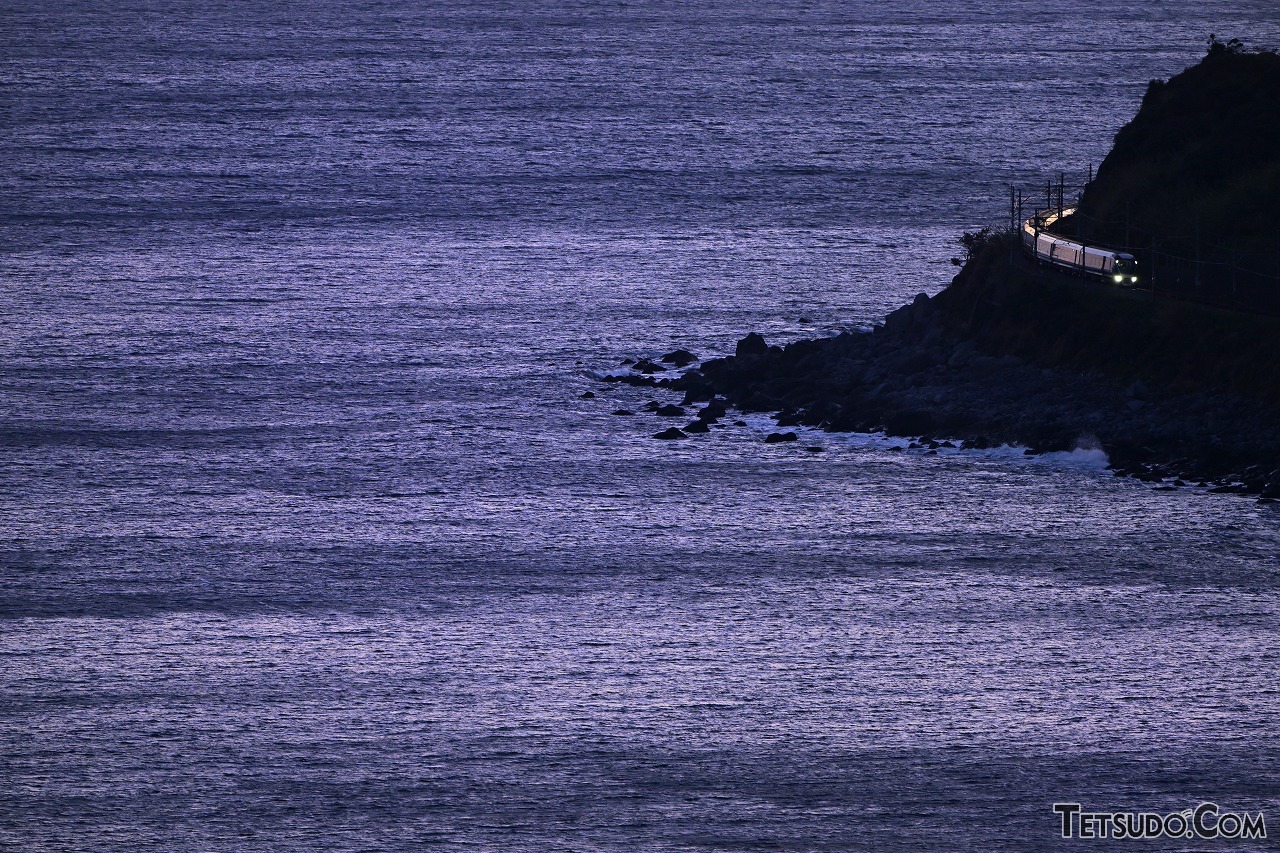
{"x": 1118, "y": 267}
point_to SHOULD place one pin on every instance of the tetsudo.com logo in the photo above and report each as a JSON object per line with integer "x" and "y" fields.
{"x": 1203, "y": 821}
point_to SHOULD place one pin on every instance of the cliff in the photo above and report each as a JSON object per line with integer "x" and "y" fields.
{"x": 1192, "y": 184}
{"x": 1202, "y": 153}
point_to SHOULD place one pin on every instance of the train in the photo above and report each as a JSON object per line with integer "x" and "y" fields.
{"x": 1119, "y": 268}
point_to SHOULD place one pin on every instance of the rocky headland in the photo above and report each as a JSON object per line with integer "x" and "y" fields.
{"x": 1175, "y": 392}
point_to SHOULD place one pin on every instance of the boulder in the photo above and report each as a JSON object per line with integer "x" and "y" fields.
{"x": 910, "y": 422}
{"x": 638, "y": 380}
{"x": 780, "y": 437}
{"x": 698, "y": 394}
{"x": 962, "y": 354}
{"x": 752, "y": 344}
{"x": 713, "y": 410}
{"x": 679, "y": 358}
{"x": 670, "y": 434}
{"x": 898, "y": 321}
{"x": 669, "y": 411}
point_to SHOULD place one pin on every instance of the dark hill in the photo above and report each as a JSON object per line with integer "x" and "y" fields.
{"x": 1013, "y": 353}
{"x": 1195, "y": 176}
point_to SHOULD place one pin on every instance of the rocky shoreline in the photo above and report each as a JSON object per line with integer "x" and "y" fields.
{"x": 947, "y": 370}
{"x": 1176, "y": 392}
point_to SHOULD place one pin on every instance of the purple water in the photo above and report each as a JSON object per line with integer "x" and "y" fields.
{"x": 308, "y": 541}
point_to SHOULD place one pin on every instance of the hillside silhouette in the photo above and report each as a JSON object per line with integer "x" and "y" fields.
{"x": 1192, "y": 184}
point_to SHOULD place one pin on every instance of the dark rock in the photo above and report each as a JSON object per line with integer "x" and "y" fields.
{"x": 752, "y": 344}
{"x": 813, "y": 449}
{"x": 697, "y": 426}
{"x": 740, "y": 423}
{"x": 669, "y": 411}
{"x": 962, "y": 354}
{"x": 646, "y": 366}
{"x": 788, "y": 417}
{"x": 623, "y": 412}
{"x": 910, "y": 422}
{"x": 587, "y": 395}
{"x": 679, "y": 358}
{"x": 758, "y": 401}
{"x": 699, "y": 394}
{"x": 670, "y": 434}
{"x": 898, "y": 321}
{"x": 779, "y": 437}
{"x": 714, "y": 409}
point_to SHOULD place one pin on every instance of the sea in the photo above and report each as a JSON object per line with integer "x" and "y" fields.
{"x": 312, "y": 539}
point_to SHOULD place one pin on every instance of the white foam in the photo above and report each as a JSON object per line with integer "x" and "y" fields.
{"x": 1093, "y": 458}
